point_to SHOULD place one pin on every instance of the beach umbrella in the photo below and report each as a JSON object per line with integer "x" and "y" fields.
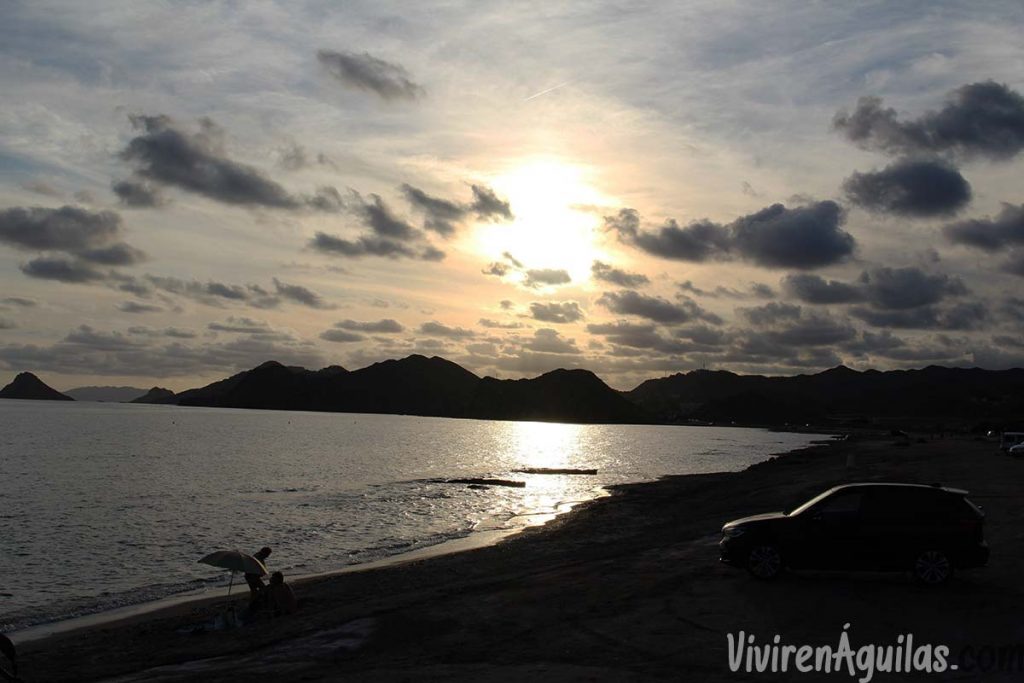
{"x": 236, "y": 561}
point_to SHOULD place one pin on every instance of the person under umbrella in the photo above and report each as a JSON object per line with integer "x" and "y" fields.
{"x": 235, "y": 561}
{"x": 256, "y": 586}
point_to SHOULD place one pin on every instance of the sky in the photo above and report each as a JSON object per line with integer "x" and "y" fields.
{"x": 189, "y": 189}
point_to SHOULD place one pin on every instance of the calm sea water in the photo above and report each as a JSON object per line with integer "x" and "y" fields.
{"x": 105, "y": 505}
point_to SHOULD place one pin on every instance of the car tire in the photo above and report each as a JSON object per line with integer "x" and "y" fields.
{"x": 764, "y": 561}
{"x": 932, "y": 568}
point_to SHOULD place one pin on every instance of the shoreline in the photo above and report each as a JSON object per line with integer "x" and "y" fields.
{"x": 588, "y": 589}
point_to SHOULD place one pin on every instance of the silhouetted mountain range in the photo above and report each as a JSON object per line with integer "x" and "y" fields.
{"x": 28, "y": 386}
{"x": 840, "y": 394}
{"x": 107, "y": 394}
{"x": 417, "y": 385}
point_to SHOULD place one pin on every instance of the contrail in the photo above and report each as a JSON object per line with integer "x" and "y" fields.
{"x": 545, "y": 92}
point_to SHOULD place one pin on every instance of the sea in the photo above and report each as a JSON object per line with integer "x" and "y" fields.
{"x": 106, "y": 505}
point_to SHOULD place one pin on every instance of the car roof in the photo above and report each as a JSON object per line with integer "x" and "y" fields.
{"x": 879, "y": 484}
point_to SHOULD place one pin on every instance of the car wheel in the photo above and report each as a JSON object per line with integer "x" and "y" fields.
{"x": 932, "y": 568}
{"x": 764, "y": 561}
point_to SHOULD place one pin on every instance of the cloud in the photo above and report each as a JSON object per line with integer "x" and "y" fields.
{"x": 803, "y": 237}
{"x": 68, "y": 228}
{"x": 908, "y": 287}
{"x": 62, "y": 270}
{"x": 640, "y": 336}
{"x": 983, "y": 119}
{"x": 885, "y": 288}
{"x": 383, "y": 326}
{"x": 546, "y": 340}
{"x": 196, "y": 162}
{"x": 564, "y": 312}
{"x": 18, "y": 301}
{"x": 371, "y": 245}
{"x": 815, "y": 290}
{"x": 771, "y": 313}
{"x": 147, "y": 353}
{"x": 543, "y": 277}
{"x": 487, "y": 205}
{"x": 119, "y": 254}
{"x": 300, "y": 295}
{"x": 436, "y": 329}
{"x": 387, "y": 80}
{"x": 655, "y": 308}
{"x": 606, "y": 273}
{"x": 138, "y": 194}
{"x": 494, "y": 324}
{"x": 136, "y": 307}
{"x": 910, "y": 188}
{"x": 378, "y": 217}
{"x": 341, "y": 336}
{"x": 41, "y": 187}
{"x": 756, "y": 290}
{"x": 990, "y": 234}
{"x": 964, "y": 316}
{"x": 443, "y": 216}
{"x": 7, "y": 324}
{"x": 240, "y": 325}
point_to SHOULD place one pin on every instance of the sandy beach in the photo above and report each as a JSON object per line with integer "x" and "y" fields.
{"x": 627, "y": 587}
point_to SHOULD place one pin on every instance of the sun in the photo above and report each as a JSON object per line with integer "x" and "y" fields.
{"x": 552, "y": 228}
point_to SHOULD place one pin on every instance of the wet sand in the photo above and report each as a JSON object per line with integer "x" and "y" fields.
{"x": 626, "y": 587}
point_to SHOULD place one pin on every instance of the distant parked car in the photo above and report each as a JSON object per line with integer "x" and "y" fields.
{"x": 927, "y": 530}
{"x": 1017, "y": 451}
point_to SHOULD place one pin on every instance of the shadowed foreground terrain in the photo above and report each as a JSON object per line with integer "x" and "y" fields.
{"x": 627, "y": 588}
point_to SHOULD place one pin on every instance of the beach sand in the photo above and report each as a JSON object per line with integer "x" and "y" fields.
{"x": 626, "y": 587}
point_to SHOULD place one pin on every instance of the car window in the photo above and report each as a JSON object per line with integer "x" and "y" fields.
{"x": 841, "y": 503}
{"x": 909, "y": 505}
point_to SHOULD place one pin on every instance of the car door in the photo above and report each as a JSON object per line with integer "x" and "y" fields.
{"x": 831, "y": 532}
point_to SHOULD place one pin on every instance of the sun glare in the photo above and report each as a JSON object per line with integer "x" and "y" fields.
{"x": 551, "y": 229}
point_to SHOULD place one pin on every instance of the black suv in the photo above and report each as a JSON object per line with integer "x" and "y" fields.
{"x": 928, "y": 530}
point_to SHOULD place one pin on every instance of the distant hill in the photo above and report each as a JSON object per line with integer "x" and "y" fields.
{"x": 839, "y": 394}
{"x": 108, "y": 394}
{"x": 418, "y": 385}
{"x": 156, "y": 395}
{"x": 28, "y": 386}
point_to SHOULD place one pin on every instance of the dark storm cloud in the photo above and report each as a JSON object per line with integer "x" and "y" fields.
{"x": 68, "y": 228}
{"x": 383, "y": 326}
{"x": 655, "y": 308}
{"x": 136, "y": 307}
{"x": 978, "y": 120}
{"x": 371, "y": 245}
{"x": 488, "y": 205}
{"x": 387, "y": 80}
{"x": 196, "y": 162}
{"x": 564, "y": 312}
{"x": 606, "y": 273}
{"x": 1014, "y": 265}
{"x": 62, "y": 270}
{"x": 990, "y": 234}
{"x": 910, "y": 188}
{"x": 436, "y": 329}
{"x": 301, "y": 295}
{"x": 341, "y": 336}
{"x": 803, "y": 237}
{"x": 638, "y": 336}
{"x": 816, "y": 290}
{"x": 542, "y": 277}
{"x": 771, "y": 313}
{"x": 137, "y": 194}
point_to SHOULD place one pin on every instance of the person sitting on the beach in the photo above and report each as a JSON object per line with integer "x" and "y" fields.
{"x": 256, "y": 585}
{"x": 282, "y": 599}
